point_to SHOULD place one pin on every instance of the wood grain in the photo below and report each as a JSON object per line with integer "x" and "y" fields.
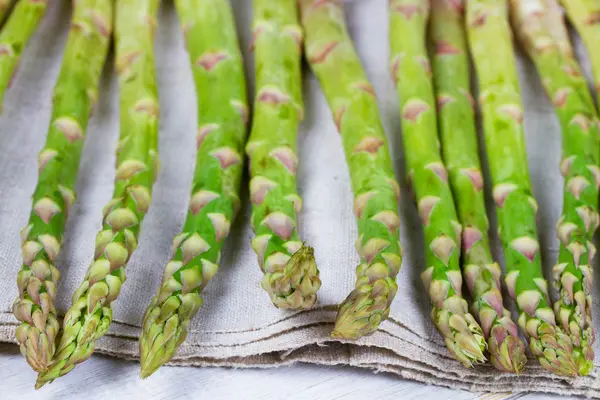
{"x": 103, "y": 377}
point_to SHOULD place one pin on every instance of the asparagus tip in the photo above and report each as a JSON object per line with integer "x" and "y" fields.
{"x": 462, "y": 335}
{"x": 150, "y": 364}
{"x": 296, "y": 287}
{"x": 352, "y": 328}
{"x": 584, "y": 356}
{"x": 40, "y": 382}
{"x": 507, "y": 352}
{"x": 554, "y": 351}
{"x": 159, "y": 342}
{"x": 585, "y": 366}
{"x": 36, "y": 345}
{"x": 363, "y": 310}
{"x": 467, "y": 349}
{"x": 152, "y": 359}
{"x": 337, "y": 335}
{"x": 563, "y": 366}
{"x": 579, "y": 331}
{"x": 55, "y": 370}
{"x": 147, "y": 370}
{"x": 349, "y": 331}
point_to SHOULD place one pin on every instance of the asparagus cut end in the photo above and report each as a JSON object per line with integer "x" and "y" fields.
{"x": 296, "y": 287}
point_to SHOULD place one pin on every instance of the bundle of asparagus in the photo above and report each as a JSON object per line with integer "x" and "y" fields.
{"x": 429, "y": 180}
{"x": 334, "y": 61}
{"x": 542, "y": 32}
{"x": 74, "y": 96}
{"x": 15, "y": 34}
{"x": 585, "y": 16}
{"x": 490, "y": 43}
{"x": 291, "y": 274}
{"x": 222, "y": 115}
{"x": 90, "y": 316}
{"x": 446, "y": 177}
{"x": 459, "y": 144}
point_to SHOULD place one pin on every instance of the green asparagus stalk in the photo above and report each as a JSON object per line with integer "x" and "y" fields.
{"x": 5, "y": 8}
{"x": 459, "y": 144}
{"x": 490, "y": 42}
{"x": 429, "y": 179}
{"x": 585, "y": 16}
{"x": 90, "y": 315}
{"x": 74, "y": 96}
{"x": 291, "y": 276}
{"x": 351, "y": 98}
{"x": 222, "y": 116}
{"x": 537, "y": 25}
{"x": 19, "y": 28}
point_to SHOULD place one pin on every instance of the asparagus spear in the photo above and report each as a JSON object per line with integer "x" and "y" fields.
{"x": 540, "y": 27}
{"x": 90, "y": 315}
{"x": 291, "y": 276}
{"x": 222, "y": 116}
{"x": 5, "y": 8}
{"x": 459, "y": 144}
{"x": 428, "y": 176}
{"x": 74, "y": 96}
{"x": 334, "y": 61}
{"x": 585, "y": 16}
{"x": 19, "y": 28}
{"x": 500, "y": 100}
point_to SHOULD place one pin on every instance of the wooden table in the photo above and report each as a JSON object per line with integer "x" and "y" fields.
{"x": 106, "y": 378}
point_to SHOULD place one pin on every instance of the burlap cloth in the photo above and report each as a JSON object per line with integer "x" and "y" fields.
{"x": 238, "y": 326}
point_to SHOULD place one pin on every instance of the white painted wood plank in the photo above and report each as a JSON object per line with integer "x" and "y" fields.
{"x": 108, "y": 378}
